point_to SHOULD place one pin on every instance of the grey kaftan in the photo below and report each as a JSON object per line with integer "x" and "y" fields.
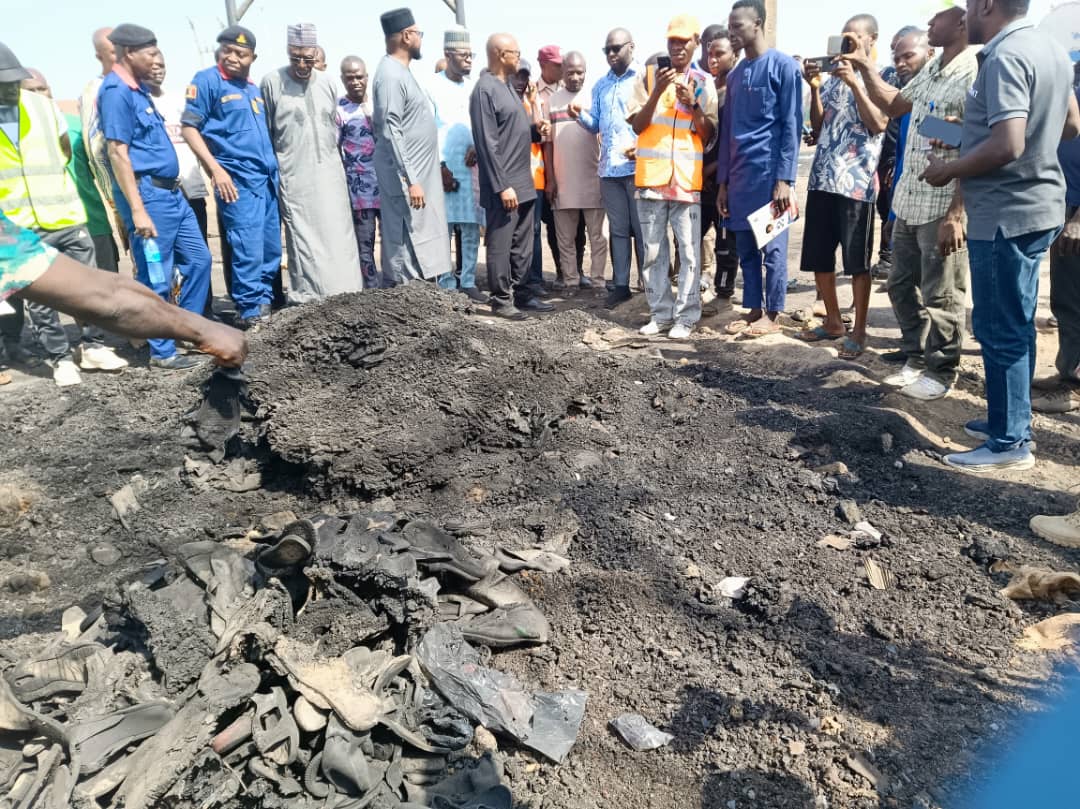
{"x": 415, "y": 243}
{"x": 314, "y": 198}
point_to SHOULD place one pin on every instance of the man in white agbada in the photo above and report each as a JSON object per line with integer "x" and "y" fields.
{"x": 319, "y": 236}
{"x": 450, "y": 91}
{"x": 415, "y": 240}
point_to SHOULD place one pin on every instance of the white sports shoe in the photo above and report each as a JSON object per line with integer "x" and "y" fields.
{"x": 653, "y": 327}
{"x": 926, "y": 388}
{"x": 66, "y": 374}
{"x": 904, "y": 377}
{"x": 680, "y": 331}
{"x": 100, "y": 358}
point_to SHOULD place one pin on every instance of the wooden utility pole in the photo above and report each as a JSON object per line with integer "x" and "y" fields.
{"x": 458, "y": 7}
{"x": 234, "y": 14}
{"x": 770, "y": 23}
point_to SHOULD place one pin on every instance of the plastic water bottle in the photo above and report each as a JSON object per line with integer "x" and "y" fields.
{"x": 154, "y": 267}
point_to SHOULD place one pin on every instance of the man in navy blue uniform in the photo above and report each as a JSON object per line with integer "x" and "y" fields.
{"x": 225, "y": 126}
{"x": 146, "y": 184}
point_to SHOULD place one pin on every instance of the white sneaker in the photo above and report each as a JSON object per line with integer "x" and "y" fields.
{"x": 926, "y": 388}
{"x": 100, "y": 358}
{"x": 904, "y": 377}
{"x": 1063, "y": 530}
{"x": 653, "y": 327}
{"x": 66, "y": 373}
{"x": 680, "y": 331}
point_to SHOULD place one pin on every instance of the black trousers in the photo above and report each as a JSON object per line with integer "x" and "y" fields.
{"x": 727, "y": 256}
{"x": 509, "y": 243}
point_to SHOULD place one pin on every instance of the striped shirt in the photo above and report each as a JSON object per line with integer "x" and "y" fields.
{"x": 938, "y": 91}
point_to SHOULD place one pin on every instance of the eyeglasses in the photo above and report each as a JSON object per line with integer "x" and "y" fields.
{"x": 610, "y": 50}
{"x": 302, "y": 60}
{"x": 462, "y": 54}
{"x": 416, "y": 31}
{"x": 515, "y": 53}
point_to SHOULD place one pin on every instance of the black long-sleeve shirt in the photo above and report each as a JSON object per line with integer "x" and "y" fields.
{"x": 502, "y": 134}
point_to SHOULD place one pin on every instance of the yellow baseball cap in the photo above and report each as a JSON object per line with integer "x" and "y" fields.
{"x": 683, "y": 26}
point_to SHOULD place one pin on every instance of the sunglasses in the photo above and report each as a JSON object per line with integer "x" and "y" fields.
{"x": 302, "y": 60}
{"x": 610, "y": 50}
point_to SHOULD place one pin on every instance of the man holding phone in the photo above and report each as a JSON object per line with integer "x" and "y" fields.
{"x": 849, "y": 130}
{"x": 673, "y": 113}
{"x": 1018, "y": 110}
{"x": 928, "y": 282}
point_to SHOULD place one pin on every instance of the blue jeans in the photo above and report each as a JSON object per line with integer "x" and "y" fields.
{"x": 1005, "y": 291}
{"x": 182, "y": 248}
{"x": 470, "y": 249}
{"x": 253, "y": 229}
{"x": 617, "y": 194}
{"x": 774, "y": 260}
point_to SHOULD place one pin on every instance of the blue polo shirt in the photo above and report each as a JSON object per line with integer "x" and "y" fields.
{"x": 128, "y": 115}
{"x": 231, "y": 116}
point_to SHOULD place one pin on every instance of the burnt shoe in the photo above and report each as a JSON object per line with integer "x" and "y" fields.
{"x": 217, "y": 420}
{"x": 294, "y": 547}
{"x": 344, "y": 763}
{"x": 61, "y": 672}
{"x": 500, "y": 627}
{"x": 99, "y": 739}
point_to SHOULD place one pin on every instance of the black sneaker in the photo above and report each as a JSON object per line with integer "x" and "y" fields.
{"x": 177, "y": 362}
{"x": 585, "y": 283}
{"x": 474, "y": 294}
{"x": 534, "y": 305}
{"x": 617, "y": 296}
{"x": 895, "y": 357}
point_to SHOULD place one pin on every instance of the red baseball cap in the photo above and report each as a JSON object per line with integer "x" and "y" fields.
{"x": 550, "y": 53}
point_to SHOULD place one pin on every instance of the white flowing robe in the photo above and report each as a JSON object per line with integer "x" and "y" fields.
{"x": 314, "y": 198}
{"x": 415, "y": 242}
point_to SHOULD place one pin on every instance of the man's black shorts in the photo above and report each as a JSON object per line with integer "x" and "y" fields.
{"x": 830, "y": 221}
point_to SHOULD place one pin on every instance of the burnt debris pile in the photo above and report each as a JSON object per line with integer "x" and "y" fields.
{"x": 334, "y": 662}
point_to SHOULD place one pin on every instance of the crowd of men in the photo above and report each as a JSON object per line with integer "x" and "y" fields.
{"x": 640, "y": 167}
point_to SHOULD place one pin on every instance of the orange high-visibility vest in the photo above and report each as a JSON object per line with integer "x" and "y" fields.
{"x": 536, "y": 156}
{"x": 669, "y": 149}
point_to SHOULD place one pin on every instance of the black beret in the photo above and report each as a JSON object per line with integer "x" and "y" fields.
{"x": 128, "y": 35}
{"x": 397, "y": 20}
{"x": 237, "y": 35}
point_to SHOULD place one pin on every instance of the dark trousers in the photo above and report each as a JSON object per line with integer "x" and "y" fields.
{"x": 726, "y": 251}
{"x": 509, "y": 250}
{"x": 1065, "y": 304}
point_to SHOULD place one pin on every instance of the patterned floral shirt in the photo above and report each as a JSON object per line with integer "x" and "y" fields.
{"x": 23, "y": 257}
{"x": 847, "y": 155}
{"x": 356, "y": 142}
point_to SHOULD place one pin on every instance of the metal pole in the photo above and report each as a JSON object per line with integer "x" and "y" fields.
{"x": 230, "y": 12}
{"x": 459, "y": 12}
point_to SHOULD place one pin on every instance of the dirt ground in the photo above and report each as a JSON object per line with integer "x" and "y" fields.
{"x": 666, "y": 467}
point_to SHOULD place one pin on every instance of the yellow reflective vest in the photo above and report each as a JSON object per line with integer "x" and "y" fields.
{"x": 669, "y": 149}
{"x": 36, "y": 190}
